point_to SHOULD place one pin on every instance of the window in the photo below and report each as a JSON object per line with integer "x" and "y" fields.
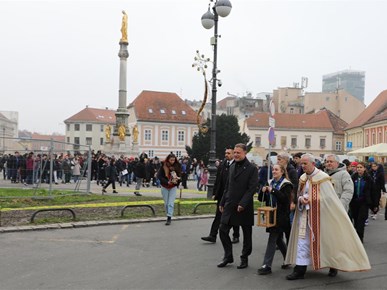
{"x": 283, "y": 141}
{"x": 89, "y": 127}
{"x": 291, "y": 111}
{"x": 101, "y": 128}
{"x": 307, "y": 142}
{"x": 181, "y": 136}
{"x": 151, "y": 153}
{"x": 183, "y": 112}
{"x": 178, "y": 154}
{"x": 173, "y": 112}
{"x": 89, "y": 141}
{"x": 162, "y": 111}
{"x": 322, "y": 142}
{"x": 338, "y": 145}
{"x": 257, "y": 141}
{"x": 100, "y": 141}
{"x": 76, "y": 141}
{"x": 76, "y": 127}
{"x": 164, "y": 135}
{"x": 294, "y": 142}
{"x": 150, "y": 111}
{"x": 68, "y": 139}
{"x": 147, "y": 135}
{"x": 68, "y": 127}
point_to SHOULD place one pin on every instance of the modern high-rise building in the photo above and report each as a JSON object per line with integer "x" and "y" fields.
{"x": 351, "y": 81}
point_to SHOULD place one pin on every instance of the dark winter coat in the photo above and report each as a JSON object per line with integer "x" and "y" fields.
{"x": 282, "y": 203}
{"x": 111, "y": 172}
{"x": 221, "y": 180}
{"x": 240, "y": 188}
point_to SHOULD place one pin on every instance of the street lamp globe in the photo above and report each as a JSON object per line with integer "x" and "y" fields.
{"x": 223, "y": 7}
{"x": 208, "y": 20}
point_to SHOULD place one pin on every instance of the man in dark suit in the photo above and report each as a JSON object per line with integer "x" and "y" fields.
{"x": 220, "y": 183}
{"x": 237, "y": 205}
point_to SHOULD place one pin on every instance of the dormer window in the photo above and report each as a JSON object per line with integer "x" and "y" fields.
{"x": 162, "y": 111}
{"x": 173, "y": 112}
{"x": 183, "y": 112}
{"x": 150, "y": 111}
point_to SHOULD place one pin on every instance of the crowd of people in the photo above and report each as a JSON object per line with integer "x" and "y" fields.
{"x": 321, "y": 210}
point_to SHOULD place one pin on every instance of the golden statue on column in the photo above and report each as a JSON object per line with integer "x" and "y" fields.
{"x": 124, "y": 27}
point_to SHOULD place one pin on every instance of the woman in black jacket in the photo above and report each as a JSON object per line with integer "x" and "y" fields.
{"x": 111, "y": 175}
{"x": 377, "y": 176}
{"x": 276, "y": 194}
{"x": 362, "y": 198}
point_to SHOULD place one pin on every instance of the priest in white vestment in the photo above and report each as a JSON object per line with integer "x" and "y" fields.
{"x": 322, "y": 234}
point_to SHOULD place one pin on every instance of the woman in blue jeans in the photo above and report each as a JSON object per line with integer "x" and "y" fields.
{"x": 169, "y": 176}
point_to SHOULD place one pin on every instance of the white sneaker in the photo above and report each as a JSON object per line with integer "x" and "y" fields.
{"x": 374, "y": 216}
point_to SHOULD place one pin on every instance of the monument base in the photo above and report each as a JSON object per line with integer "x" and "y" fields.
{"x": 117, "y": 147}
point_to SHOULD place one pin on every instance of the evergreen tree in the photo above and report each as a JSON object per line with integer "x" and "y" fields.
{"x": 227, "y": 134}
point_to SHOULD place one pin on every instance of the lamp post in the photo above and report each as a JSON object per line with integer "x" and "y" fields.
{"x": 210, "y": 19}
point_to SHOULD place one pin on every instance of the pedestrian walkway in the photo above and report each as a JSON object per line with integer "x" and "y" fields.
{"x": 149, "y": 255}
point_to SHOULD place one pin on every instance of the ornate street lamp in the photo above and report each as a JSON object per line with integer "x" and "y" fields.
{"x": 210, "y": 19}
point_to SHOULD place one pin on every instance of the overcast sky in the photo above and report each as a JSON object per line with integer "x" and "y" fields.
{"x": 56, "y": 57}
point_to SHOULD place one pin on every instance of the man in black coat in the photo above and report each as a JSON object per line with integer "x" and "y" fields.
{"x": 237, "y": 205}
{"x": 220, "y": 183}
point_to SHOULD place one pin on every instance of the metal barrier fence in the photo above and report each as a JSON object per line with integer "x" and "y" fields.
{"x": 41, "y": 162}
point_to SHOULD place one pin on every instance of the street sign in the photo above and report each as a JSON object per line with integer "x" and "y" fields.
{"x": 271, "y": 136}
{"x": 349, "y": 144}
{"x": 271, "y": 122}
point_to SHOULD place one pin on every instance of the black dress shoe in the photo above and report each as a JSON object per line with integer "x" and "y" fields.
{"x": 209, "y": 239}
{"x": 235, "y": 240}
{"x": 285, "y": 266}
{"x": 243, "y": 264}
{"x": 264, "y": 270}
{"x": 332, "y": 272}
{"x": 295, "y": 276}
{"x": 225, "y": 262}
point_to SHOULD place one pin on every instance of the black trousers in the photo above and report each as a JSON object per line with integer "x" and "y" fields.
{"x": 224, "y": 231}
{"x": 216, "y": 223}
{"x": 359, "y": 213}
{"x": 112, "y": 182}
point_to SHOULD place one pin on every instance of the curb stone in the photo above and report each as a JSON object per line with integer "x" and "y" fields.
{"x": 94, "y": 223}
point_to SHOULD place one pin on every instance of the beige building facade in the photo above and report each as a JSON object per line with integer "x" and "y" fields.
{"x": 319, "y": 133}
{"x": 341, "y": 103}
{"x": 165, "y": 122}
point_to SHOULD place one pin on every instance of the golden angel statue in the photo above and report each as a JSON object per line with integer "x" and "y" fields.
{"x": 122, "y": 132}
{"x": 124, "y": 27}
{"x": 108, "y": 131}
{"x": 135, "y": 134}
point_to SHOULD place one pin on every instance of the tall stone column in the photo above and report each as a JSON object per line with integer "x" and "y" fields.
{"x": 121, "y": 129}
{"x": 122, "y": 111}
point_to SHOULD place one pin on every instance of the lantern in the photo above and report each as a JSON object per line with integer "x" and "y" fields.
{"x": 267, "y": 216}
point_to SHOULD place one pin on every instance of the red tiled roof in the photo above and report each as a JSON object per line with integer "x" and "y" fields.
{"x": 338, "y": 124}
{"x": 59, "y": 138}
{"x": 376, "y": 107}
{"x": 382, "y": 116}
{"x": 162, "y": 107}
{"x": 322, "y": 120}
{"x": 94, "y": 115}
